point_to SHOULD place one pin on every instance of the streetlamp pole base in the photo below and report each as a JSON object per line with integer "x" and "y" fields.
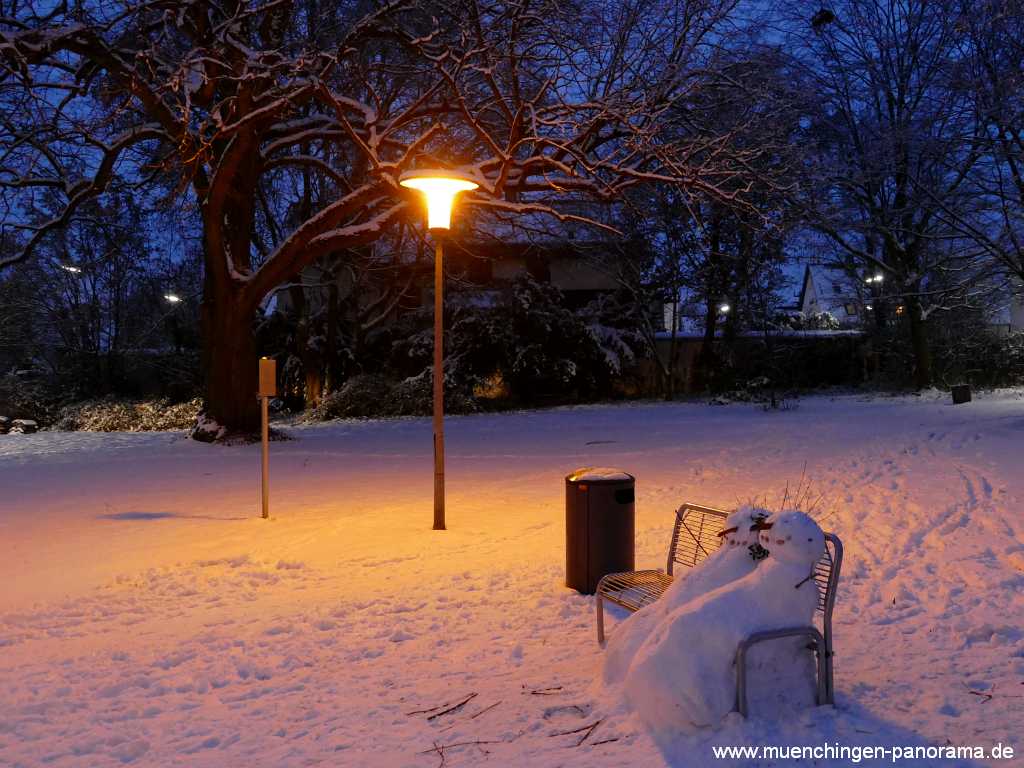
{"x": 438, "y": 385}
{"x": 439, "y": 482}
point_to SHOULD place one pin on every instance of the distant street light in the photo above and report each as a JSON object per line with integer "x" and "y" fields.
{"x": 172, "y": 298}
{"x": 724, "y": 309}
{"x": 71, "y": 268}
{"x": 440, "y": 188}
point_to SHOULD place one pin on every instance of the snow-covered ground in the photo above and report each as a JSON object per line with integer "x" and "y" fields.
{"x": 149, "y": 617}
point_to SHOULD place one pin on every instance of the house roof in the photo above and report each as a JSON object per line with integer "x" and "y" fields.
{"x": 832, "y": 286}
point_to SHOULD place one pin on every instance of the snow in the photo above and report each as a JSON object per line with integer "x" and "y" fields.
{"x": 150, "y": 618}
{"x": 599, "y": 474}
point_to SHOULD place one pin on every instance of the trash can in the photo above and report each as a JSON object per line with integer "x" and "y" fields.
{"x": 600, "y": 512}
{"x": 961, "y": 393}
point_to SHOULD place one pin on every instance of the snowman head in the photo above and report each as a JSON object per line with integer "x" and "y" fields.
{"x": 793, "y": 537}
{"x": 737, "y": 532}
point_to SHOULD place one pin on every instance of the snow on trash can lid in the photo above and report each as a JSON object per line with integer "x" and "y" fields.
{"x": 599, "y": 475}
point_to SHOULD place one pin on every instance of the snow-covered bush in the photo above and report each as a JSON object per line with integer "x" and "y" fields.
{"x": 117, "y": 415}
{"x": 207, "y": 430}
{"x": 983, "y": 358}
{"x": 541, "y": 349}
{"x": 361, "y": 396}
{"x": 372, "y": 396}
{"x": 759, "y": 390}
{"x": 813, "y": 321}
{"x": 415, "y": 397}
{"x": 519, "y": 345}
{"x": 26, "y": 396}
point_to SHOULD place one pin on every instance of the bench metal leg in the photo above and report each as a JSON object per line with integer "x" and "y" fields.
{"x": 830, "y": 685}
{"x": 823, "y": 692}
{"x": 599, "y": 603}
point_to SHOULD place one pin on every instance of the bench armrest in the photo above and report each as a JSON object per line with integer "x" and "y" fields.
{"x": 809, "y": 632}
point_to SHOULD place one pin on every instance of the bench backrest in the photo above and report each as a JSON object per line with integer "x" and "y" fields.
{"x": 695, "y": 536}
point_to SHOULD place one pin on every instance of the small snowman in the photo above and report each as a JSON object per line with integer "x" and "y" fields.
{"x": 738, "y": 556}
{"x": 782, "y": 672}
{"x": 683, "y": 676}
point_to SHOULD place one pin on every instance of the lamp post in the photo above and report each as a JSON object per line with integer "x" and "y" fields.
{"x": 439, "y": 187}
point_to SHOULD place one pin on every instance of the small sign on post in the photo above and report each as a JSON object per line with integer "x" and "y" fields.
{"x": 268, "y": 377}
{"x": 267, "y": 390}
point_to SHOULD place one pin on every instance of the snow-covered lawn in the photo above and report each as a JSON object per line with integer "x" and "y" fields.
{"x": 149, "y": 617}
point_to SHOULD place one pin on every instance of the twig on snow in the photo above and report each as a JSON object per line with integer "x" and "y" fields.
{"x": 474, "y": 716}
{"x": 586, "y": 730}
{"x": 485, "y": 709}
{"x": 546, "y": 691}
{"x": 454, "y": 707}
{"x": 440, "y": 748}
{"x": 425, "y": 711}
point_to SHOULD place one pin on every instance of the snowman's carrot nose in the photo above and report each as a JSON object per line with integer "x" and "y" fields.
{"x": 727, "y": 531}
{"x": 761, "y": 525}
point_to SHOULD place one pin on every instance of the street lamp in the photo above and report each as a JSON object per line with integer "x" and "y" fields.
{"x": 440, "y": 188}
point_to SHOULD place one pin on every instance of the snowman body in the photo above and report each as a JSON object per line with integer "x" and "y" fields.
{"x": 782, "y": 673}
{"x": 683, "y": 675}
{"x": 731, "y": 561}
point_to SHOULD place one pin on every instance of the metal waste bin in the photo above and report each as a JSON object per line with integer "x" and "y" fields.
{"x": 961, "y": 393}
{"x": 600, "y": 512}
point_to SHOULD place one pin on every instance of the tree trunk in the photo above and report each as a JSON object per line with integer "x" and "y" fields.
{"x": 230, "y": 363}
{"x": 919, "y": 342}
{"x": 331, "y": 373}
{"x": 314, "y": 384}
{"x": 706, "y": 361}
{"x": 673, "y": 352}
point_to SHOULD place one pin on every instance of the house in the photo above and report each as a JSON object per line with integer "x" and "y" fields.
{"x": 573, "y": 268}
{"x": 829, "y": 290}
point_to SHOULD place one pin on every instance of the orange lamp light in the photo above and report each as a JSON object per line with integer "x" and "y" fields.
{"x": 439, "y": 187}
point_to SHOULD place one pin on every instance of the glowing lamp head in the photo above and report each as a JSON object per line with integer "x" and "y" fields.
{"x": 440, "y": 188}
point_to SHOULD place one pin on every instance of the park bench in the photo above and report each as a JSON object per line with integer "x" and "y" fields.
{"x": 694, "y": 537}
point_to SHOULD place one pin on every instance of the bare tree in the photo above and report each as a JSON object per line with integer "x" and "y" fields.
{"x": 719, "y": 250}
{"x": 992, "y": 62}
{"x": 898, "y": 147}
{"x": 229, "y": 104}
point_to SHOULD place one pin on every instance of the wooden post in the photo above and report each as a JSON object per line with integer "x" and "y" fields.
{"x": 267, "y": 390}
{"x": 438, "y": 386}
{"x": 265, "y": 473}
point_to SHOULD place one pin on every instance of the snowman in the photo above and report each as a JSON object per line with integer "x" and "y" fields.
{"x": 683, "y": 675}
{"x": 738, "y": 555}
{"x": 781, "y": 673}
